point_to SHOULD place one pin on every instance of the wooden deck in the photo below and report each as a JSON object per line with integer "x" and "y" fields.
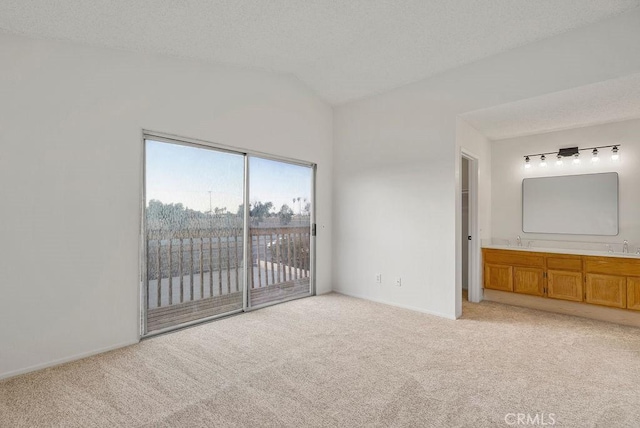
{"x": 281, "y": 291}
{"x": 167, "y": 316}
{"x": 159, "y": 318}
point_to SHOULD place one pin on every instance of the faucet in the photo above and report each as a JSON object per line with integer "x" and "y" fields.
{"x": 625, "y": 246}
{"x": 519, "y": 241}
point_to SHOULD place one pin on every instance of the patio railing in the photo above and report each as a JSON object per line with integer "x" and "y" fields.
{"x": 193, "y": 265}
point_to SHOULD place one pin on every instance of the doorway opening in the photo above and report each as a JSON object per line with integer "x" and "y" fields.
{"x": 466, "y": 232}
{"x": 470, "y": 277}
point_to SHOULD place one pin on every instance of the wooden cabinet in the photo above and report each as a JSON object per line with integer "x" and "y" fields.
{"x": 598, "y": 280}
{"x": 607, "y": 279}
{"x": 612, "y": 266}
{"x": 633, "y": 293}
{"x": 519, "y": 271}
{"x": 528, "y": 281}
{"x": 498, "y": 277}
{"x": 514, "y": 258}
{"x": 607, "y": 290}
{"x": 564, "y": 285}
{"x": 564, "y": 277}
{"x": 564, "y": 262}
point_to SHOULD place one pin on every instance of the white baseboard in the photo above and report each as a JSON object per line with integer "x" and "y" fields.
{"x": 57, "y": 362}
{"x": 397, "y": 305}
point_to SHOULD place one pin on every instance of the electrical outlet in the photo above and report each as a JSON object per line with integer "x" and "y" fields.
{"x": 398, "y": 282}
{"x": 378, "y": 278}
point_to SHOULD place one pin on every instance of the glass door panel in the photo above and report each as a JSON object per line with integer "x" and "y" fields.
{"x": 194, "y": 233}
{"x": 279, "y": 230}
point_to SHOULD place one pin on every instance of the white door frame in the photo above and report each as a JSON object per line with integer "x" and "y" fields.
{"x": 475, "y": 287}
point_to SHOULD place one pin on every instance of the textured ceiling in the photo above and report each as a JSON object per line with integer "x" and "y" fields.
{"x": 342, "y": 49}
{"x": 602, "y": 102}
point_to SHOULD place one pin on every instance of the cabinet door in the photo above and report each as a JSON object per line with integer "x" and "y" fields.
{"x": 633, "y": 293}
{"x": 564, "y": 285}
{"x": 528, "y": 281}
{"x": 607, "y": 290}
{"x": 498, "y": 277}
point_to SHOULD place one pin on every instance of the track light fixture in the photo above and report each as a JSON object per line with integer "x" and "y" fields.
{"x": 615, "y": 156}
{"x": 576, "y": 158}
{"x": 573, "y": 152}
{"x": 559, "y": 160}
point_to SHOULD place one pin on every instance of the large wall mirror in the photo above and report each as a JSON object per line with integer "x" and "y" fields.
{"x": 572, "y": 204}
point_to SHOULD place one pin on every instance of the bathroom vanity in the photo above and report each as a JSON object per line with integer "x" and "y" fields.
{"x": 584, "y": 283}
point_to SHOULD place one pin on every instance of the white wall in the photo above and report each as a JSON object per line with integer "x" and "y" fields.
{"x": 396, "y": 161}
{"x": 70, "y": 180}
{"x": 509, "y": 171}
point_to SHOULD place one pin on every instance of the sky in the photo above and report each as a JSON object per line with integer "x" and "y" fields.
{"x": 186, "y": 174}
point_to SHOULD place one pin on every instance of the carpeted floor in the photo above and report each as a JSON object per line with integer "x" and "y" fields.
{"x": 337, "y": 361}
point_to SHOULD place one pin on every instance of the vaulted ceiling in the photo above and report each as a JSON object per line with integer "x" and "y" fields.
{"x": 343, "y": 50}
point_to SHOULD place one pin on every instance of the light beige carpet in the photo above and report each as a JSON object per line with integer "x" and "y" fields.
{"x": 337, "y": 361}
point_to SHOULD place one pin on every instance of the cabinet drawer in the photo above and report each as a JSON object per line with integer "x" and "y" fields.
{"x": 633, "y": 294}
{"x": 498, "y": 277}
{"x": 564, "y": 263}
{"x": 514, "y": 258}
{"x": 528, "y": 281}
{"x": 607, "y": 290}
{"x": 564, "y": 285}
{"x": 612, "y": 266}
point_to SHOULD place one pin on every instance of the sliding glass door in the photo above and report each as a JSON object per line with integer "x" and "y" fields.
{"x": 280, "y": 230}
{"x": 207, "y": 210}
{"x": 194, "y": 227}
